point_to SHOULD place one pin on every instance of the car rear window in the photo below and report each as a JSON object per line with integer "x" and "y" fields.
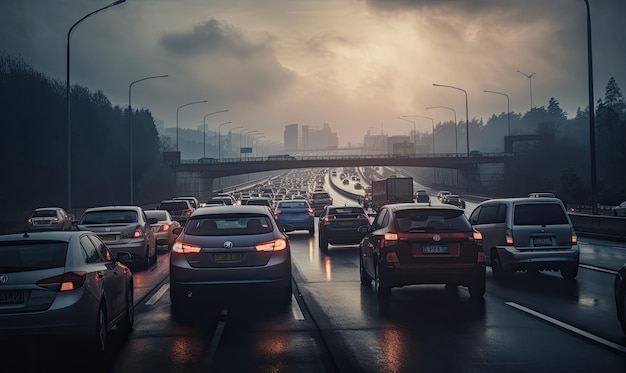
{"x": 346, "y": 210}
{"x": 160, "y": 215}
{"x": 295, "y": 204}
{"x": 539, "y": 214}
{"x": 109, "y": 217}
{"x": 228, "y": 225}
{"x": 258, "y": 202}
{"x": 44, "y": 214}
{"x": 20, "y": 256}
{"x": 174, "y": 206}
{"x": 321, "y": 196}
{"x": 436, "y": 220}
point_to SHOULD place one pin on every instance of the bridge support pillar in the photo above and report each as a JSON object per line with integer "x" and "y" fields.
{"x": 195, "y": 184}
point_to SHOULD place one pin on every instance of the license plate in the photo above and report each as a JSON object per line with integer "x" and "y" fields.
{"x": 11, "y": 297}
{"x": 542, "y": 241}
{"x": 227, "y": 257}
{"x": 107, "y": 237}
{"x": 435, "y": 249}
{"x": 345, "y": 224}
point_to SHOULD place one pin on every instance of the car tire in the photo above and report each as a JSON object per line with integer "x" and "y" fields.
{"x": 477, "y": 287}
{"x": 383, "y": 290}
{"x": 147, "y": 260}
{"x": 101, "y": 340}
{"x": 622, "y": 320}
{"x": 128, "y": 322}
{"x": 569, "y": 272}
{"x": 366, "y": 279}
{"x": 498, "y": 272}
{"x": 323, "y": 243}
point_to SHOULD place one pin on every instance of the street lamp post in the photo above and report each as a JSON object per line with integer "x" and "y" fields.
{"x": 592, "y": 116}
{"x": 219, "y": 139}
{"x": 466, "y": 127}
{"x": 67, "y": 102}
{"x": 243, "y": 134}
{"x": 508, "y": 107}
{"x": 456, "y": 136}
{"x": 177, "y": 110}
{"x": 204, "y": 121}
{"x": 431, "y": 120}
{"x": 530, "y": 82}
{"x": 414, "y": 134}
{"x": 130, "y": 129}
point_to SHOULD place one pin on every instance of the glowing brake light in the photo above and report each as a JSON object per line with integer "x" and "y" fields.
{"x": 509, "y": 237}
{"x": 65, "y": 282}
{"x": 277, "y": 212}
{"x": 389, "y": 239}
{"x": 164, "y": 228}
{"x": 187, "y": 212}
{"x": 138, "y": 233}
{"x": 55, "y": 219}
{"x": 185, "y": 248}
{"x": 275, "y": 245}
{"x": 574, "y": 238}
{"x": 328, "y": 218}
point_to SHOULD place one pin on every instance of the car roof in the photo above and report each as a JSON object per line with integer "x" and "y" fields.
{"x": 230, "y": 209}
{"x": 108, "y": 208}
{"x": 525, "y": 199}
{"x": 414, "y": 206}
{"x": 42, "y": 235}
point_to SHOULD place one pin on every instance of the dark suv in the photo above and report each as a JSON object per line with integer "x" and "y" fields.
{"x": 529, "y": 234}
{"x": 179, "y": 209}
{"x": 319, "y": 200}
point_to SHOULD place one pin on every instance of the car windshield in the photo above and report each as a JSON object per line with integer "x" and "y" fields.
{"x": 44, "y": 214}
{"x": 31, "y": 255}
{"x": 173, "y": 206}
{"x": 228, "y": 225}
{"x": 109, "y": 217}
{"x": 431, "y": 220}
{"x": 159, "y": 215}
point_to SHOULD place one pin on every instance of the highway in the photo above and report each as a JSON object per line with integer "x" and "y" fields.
{"x": 532, "y": 323}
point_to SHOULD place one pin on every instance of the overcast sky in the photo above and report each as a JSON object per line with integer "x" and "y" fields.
{"x": 354, "y": 64}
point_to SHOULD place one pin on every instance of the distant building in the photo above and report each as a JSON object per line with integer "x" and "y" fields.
{"x": 291, "y": 138}
{"x": 316, "y": 139}
{"x": 400, "y": 145}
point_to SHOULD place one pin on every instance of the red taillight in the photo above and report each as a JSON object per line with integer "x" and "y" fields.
{"x": 185, "y": 248}
{"x": 164, "y": 228}
{"x": 65, "y": 282}
{"x": 55, "y": 219}
{"x": 275, "y": 245}
{"x": 311, "y": 211}
{"x": 138, "y": 233}
{"x": 277, "y": 212}
{"x": 328, "y": 218}
{"x": 187, "y": 212}
{"x": 389, "y": 239}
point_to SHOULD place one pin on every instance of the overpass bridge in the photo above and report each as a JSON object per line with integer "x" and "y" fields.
{"x": 195, "y": 177}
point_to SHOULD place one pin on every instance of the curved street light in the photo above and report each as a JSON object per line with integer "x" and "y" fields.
{"x": 431, "y": 120}
{"x": 456, "y": 136}
{"x": 530, "y": 82}
{"x": 414, "y": 133}
{"x": 592, "y": 115}
{"x": 67, "y": 102}
{"x": 219, "y": 139}
{"x": 177, "y": 109}
{"x": 204, "y": 127}
{"x": 466, "y": 126}
{"x": 508, "y": 107}
{"x": 130, "y": 128}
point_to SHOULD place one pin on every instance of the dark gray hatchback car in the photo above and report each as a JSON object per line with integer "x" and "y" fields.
{"x": 527, "y": 234}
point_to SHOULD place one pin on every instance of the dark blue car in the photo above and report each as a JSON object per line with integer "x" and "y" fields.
{"x": 297, "y": 213}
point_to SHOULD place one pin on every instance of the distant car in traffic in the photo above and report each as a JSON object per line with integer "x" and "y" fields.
{"x": 64, "y": 284}
{"x": 339, "y": 225}
{"x": 442, "y": 194}
{"x": 410, "y": 244}
{"x": 229, "y": 248}
{"x": 422, "y": 196}
{"x": 297, "y": 213}
{"x": 319, "y": 200}
{"x": 164, "y": 227}
{"x": 453, "y": 199}
{"x": 193, "y": 201}
{"x": 179, "y": 209}
{"x": 123, "y": 228}
{"x": 49, "y": 218}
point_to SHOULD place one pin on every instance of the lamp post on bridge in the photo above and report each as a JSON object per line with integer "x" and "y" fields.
{"x": 204, "y": 142}
{"x": 414, "y": 134}
{"x": 466, "y": 127}
{"x": 130, "y": 129}
{"x": 508, "y": 107}
{"x": 219, "y": 139}
{"x": 177, "y": 110}
{"x": 456, "y": 136}
{"x": 432, "y": 122}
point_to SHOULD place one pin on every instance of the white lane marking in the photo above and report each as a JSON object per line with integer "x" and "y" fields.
{"x": 571, "y": 328}
{"x": 219, "y": 329}
{"x": 295, "y": 309}
{"x": 155, "y": 298}
{"x": 609, "y": 271}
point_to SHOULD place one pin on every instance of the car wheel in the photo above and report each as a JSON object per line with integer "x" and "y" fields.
{"x": 153, "y": 259}
{"x": 622, "y": 320}
{"x": 147, "y": 261}
{"x": 100, "y": 343}
{"x": 323, "y": 243}
{"x": 383, "y": 290}
{"x": 477, "y": 287}
{"x": 569, "y": 272}
{"x": 496, "y": 267}
{"x": 366, "y": 279}
{"x": 128, "y": 321}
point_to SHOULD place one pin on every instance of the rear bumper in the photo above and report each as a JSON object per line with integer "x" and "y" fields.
{"x": 401, "y": 275}
{"x": 513, "y": 259}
